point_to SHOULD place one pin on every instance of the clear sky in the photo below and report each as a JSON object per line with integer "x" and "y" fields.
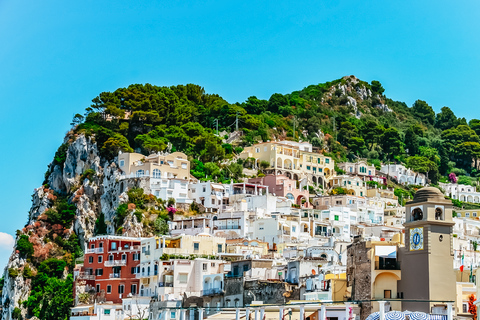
{"x": 55, "y": 56}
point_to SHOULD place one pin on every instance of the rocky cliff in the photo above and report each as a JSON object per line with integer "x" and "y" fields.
{"x": 100, "y": 191}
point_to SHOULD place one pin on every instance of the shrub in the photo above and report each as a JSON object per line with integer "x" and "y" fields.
{"x": 88, "y": 174}
{"x": 24, "y": 246}
{"x": 61, "y": 154}
{"x": 13, "y": 272}
{"x": 100, "y": 225}
{"x": 27, "y": 272}
{"x": 17, "y": 314}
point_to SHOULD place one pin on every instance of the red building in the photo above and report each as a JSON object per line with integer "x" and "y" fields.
{"x": 110, "y": 266}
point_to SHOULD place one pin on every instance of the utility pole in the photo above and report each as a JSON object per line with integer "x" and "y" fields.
{"x": 215, "y": 122}
{"x": 236, "y": 122}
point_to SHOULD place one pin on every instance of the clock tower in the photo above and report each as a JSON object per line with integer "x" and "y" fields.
{"x": 427, "y": 259}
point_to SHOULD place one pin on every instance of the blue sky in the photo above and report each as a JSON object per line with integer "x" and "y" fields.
{"x": 55, "y": 56}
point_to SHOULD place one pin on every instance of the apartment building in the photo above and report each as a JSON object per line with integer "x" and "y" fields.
{"x": 168, "y": 174}
{"x": 110, "y": 267}
{"x": 355, "y": 185}
{"x": 296, "y": 160}
{"x": 461, "y": 192}
{"x": 403, "y": 175}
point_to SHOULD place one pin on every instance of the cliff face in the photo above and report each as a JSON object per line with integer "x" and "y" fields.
{"x": 101, "y": 192}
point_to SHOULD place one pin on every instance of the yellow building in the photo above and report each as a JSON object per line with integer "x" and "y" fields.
{"x": 294, "y": 159}
{"x": 355, "y": 185}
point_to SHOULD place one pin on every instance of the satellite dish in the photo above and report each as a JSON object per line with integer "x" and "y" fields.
{"x": 313, "y": 271}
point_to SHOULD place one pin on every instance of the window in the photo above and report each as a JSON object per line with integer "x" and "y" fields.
{"x": 92, "y": 246}
{"x": 294, "y": 229}
{"x": 109, "y": 289}
{"x": 99, "y": 272}
{"x": 184, "y": 165}
{"x": 90, "y": 259}
{"x": 114, "y": 246}
{"x": 204, "y": 189}
{"x": 100, "y": 259}
{"x": 124, "y": 257}
{"x": 98, "y": 288}
{"x": 245, "y": 267}
{"x": 204, "y": 267}
{"x": 136, "y": 256}
{"x": 474, "y": 214}
{"x": 183, "y": 277}
{"x": 213, "y": 201}
{"x": 467, "y": 214}
{"x": 133, "y": 289}
{"x": 335, "y": 217}
{"x": 140, "y": 173}
{"x": 308, "y": 167}
{"x": 121, "y": 289}
{"x": 465, "y": 308}
{"x": 106, "y": 311}
{"x": 110, "y": 257}
{"x": 327, "y": 160}
{"x": 219, "y": 248}
{"x": 122, "y": 163}
{"x": 172, "y": 314}
{"x": 196, "y": 246}
{"x": 155, "y": 270}
{"x": 156, "y": 173}
{"x": 133, "y": 270}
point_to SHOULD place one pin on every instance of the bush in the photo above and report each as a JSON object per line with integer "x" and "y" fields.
{"x": 88, "y": 174}
{"x": 61, "y": 154}
{"x": 458, "y": 171}
{"x": 27, "y": 272}
{"x": 13, "y": 272}
{"x": 24, "y": 246}
{"x": 17, "y": 314}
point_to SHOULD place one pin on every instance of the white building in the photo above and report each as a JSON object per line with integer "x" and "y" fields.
{"x": 403, "y": 175}
{"x": 461, "y": 192}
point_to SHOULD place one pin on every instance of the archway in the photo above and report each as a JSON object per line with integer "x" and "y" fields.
{"x": 288, "y": 175}
{"x": 417, "y": 214}
{"x": 469, "y": 199}
{"x": 314, "y": 179}
{"x": 351, "y": 192}
{"x": 301, "y": 200}
{"x": 295, "y": 176}
{"x": 287, "y": 164}
{"x": 438, "y": 214}
{"x": 279, "y": 162}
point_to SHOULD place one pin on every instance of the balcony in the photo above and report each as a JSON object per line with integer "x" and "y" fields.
{"x": 387, "y": 264}
{"x": 86, "y": 276}
{"x": 212, "y": 292}
{"x": 132, "y": 248}
{"x": 114, "y": 275}
{"x": 165, "y": 284}
{"x": 228, "y": 227}
{"x": 94, "y": 250}
{"x": 115, "y": 263}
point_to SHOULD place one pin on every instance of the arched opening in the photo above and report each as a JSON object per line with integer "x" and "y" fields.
{"x": 279, "y": 163}
{"x": 323, "y": 256}
{"x": 314, "y": 180}
{"x": 290, "y": 196}
{"x": 301, "y": 200}
{"x": 417, "y": 214}
{"x": 288, "y": 175}
{"x": 469, "y": 199}
{"x": 462, "y": 198}
{"x": 438, "y": 214}
{"x": 287, "y": 164}
{"x": 351, "y": 192}
{"x": 207, "y": 284}
{"x": 140, "y": 173}
{"x": 326, "y": 171}
{"x": 295, "y": 177}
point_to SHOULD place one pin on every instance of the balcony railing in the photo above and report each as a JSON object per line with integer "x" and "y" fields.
{"x": 115, "y": 275}
{"x": 94, "y": 250}
{"x": 165, "y": 284}
{"x": 228, "y": 227}
{"x": 86, "y": 276}
{"x": 212, "y": 291}
{"x": 114, "y": 263}
{"x": 132, "y": 248}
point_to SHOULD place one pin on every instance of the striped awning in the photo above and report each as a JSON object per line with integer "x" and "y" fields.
{"x": 418, "y": 316}
{"x": 374, "y": 316}
{"x": 395, "y": 315}
{"x": 437, "y": 317}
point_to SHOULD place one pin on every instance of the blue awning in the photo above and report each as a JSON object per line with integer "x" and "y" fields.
{"x": 418, "y": 316}
{"x": 374, "y": 316}
{"x": 394, "y": 315}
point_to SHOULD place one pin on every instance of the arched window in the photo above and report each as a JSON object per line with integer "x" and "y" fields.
{"x": 417, "y": 214}
{"x": 438, "y": 214}
{"x": 290, "y": 196}
{"x": 140, "y": 173}
{"x": 156, "y": 174}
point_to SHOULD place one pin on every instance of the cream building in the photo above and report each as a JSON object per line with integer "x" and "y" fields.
{"x": 296, "y": 160}
{"x": 461, "y": 192}
{"x": 355, "y": 185}
{"x": 168, "y": 174}
{"x": 360, "y": 168}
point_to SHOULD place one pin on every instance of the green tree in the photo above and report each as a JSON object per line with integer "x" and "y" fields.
{"x": 377, "y": 87}
{"x": 446, "y": 119}
{"x": 423, "y": 112}
{"x": 100, "y": 225}
{"x": 24, "y": 246}
{"x": 391, "y": 143}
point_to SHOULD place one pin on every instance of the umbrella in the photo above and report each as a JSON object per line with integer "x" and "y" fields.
{"x": 374, "y": 316}
{"x": 394, "y": 315}
{"x": 418, "y": 316}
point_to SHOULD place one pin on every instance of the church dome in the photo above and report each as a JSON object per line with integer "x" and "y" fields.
{"x": 428, "y": 193}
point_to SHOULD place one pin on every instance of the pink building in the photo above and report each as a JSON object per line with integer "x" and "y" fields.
{"x": 282, "y": 186}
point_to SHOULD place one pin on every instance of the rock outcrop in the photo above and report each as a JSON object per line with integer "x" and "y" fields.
{"x": 101, "y": 192}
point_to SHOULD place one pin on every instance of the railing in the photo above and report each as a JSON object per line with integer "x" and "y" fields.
{"x": 228, "y": 227}
{"x": 132, "y": 248}
{"x": 86, "y": 276}
{"x": 114, "y": 275}
{"x": 113, "y": 263}
{"x": 94, "y": 250}
{"x": 387, "y": 265}
{"x": 212, "y": 291}
{"x": 165, "y": 284}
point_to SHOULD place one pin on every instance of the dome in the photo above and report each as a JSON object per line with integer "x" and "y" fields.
{"x": 428, "y": 193}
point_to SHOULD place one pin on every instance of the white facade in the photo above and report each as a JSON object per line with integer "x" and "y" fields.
{"x": 213, "y": 196}
{"x": 403, "y": 175}
{"x": 461, "y": 192}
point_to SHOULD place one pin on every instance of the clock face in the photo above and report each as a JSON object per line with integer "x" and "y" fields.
{"x": 416, "y": 239}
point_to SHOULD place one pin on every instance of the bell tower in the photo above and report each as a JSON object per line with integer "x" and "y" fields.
{"x": 427, "y": 259}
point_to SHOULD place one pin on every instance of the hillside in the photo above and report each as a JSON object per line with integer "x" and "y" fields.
{"x": 82, "y": 196}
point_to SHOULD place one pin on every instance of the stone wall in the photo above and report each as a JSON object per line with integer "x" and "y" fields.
{"x": 359, "y": 275}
